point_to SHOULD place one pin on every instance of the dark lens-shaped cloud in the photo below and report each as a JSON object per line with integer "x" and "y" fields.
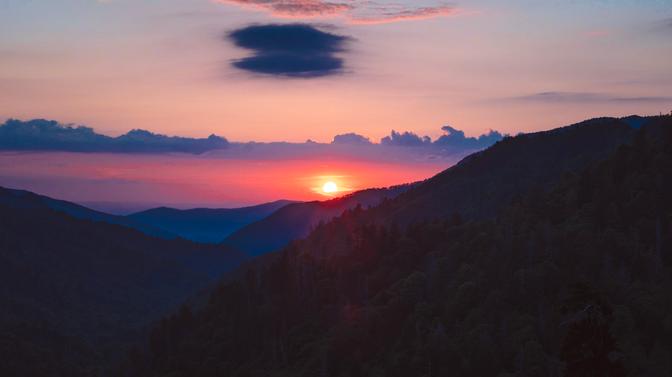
{"x": 289, "y": 50}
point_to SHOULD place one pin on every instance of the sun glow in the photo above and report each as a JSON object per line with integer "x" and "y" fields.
{"x": 330, "y": 187}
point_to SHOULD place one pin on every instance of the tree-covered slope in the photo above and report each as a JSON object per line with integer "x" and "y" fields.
{"x": 485, "y": 181}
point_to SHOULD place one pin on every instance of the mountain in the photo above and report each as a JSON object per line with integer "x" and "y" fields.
{"x": 74, "y": 292}
{"x": 203, "y": 224}
{"x": 296, "y": 220}
{"x": 479, "y": 185}
{"x": 571, "y": 280}
{"x": 29, "y": 200}
{"x": 475, "y": 188}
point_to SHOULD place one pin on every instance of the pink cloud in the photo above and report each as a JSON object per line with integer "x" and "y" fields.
{"x": 296, "y": 8}
{"x": 406, "y": 15}
{"x": 358, "y": 12}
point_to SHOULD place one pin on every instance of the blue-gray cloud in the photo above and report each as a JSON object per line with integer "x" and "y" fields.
{"x": 351, "y": 139}
{"x": 49, "y": 135}
{"x": 452, "y": 139}
{"x": 455, "y": 138}
{"x": 289, "y": 50}
{"x": 40, "y": 134}
{"x": 406, "y": 139}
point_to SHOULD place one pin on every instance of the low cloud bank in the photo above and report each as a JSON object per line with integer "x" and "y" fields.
{"x": 49, "y": 135}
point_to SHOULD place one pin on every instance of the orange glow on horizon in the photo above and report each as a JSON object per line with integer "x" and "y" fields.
{"x": 176, "y": 180}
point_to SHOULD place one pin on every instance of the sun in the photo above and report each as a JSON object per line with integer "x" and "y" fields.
{"x": 329, "y": 187}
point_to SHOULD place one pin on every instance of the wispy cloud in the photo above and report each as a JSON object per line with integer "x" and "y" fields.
{"x": 406, "y": 15}
{"x": 587, "y": 97}
{"x": 296, "y": 8}
{"x": 361, "y": 12}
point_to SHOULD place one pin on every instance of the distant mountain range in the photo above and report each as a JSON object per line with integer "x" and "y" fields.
{"x": 279, "y": 222}
{"x": 204, "y": 224}
{"x": 295, "y": 221}
{"x": 21, "y": 199}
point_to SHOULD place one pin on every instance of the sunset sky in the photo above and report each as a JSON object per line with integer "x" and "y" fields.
{"x": 197, "y": 67}
{"x": 164, "y": 65}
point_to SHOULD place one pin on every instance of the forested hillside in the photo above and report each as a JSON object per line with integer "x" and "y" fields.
{"x": 570, "y": 281}
{"x": 74, "y": 293}
{"x": 486, "y": 181}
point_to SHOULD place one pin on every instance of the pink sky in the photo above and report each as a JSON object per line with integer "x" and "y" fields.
{"x": 164, "y": 66}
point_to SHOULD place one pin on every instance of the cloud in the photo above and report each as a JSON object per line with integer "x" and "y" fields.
{"x": 455, "y": 138}
{"x": 406, "y": 15}
{"x": 587, "y": 97}
{"x": 289, "y": 50}
{"x": 49, "y": 135}
{"x": 452, "y": 139}
{"x": 294, "y": 8}
{"x": 363, "y": 12}
{"x": 351, "y": 139}
{"x": 406, "y": 139}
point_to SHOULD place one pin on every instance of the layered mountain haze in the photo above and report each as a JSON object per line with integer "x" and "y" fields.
{"x": 22, "y": 199}
{"x": 295, "y": 221}
{"x": 205, "y": 224}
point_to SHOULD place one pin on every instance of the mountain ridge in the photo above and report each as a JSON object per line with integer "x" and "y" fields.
{"x": 209, "y": 225}
{"x": 296, "y": 220}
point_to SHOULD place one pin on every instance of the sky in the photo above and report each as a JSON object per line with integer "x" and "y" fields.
{"x": 282, "y": 70}
{"x": 166, "y": 65}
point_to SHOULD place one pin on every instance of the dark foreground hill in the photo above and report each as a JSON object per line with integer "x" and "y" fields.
{"x": 204, "y": 224}
{"x": 574, "y": 280}
{"x": 296, "y": 220}
{"x": 74, "y": 292}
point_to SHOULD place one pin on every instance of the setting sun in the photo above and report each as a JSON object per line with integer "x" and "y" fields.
{"x": 329, "y": 187}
